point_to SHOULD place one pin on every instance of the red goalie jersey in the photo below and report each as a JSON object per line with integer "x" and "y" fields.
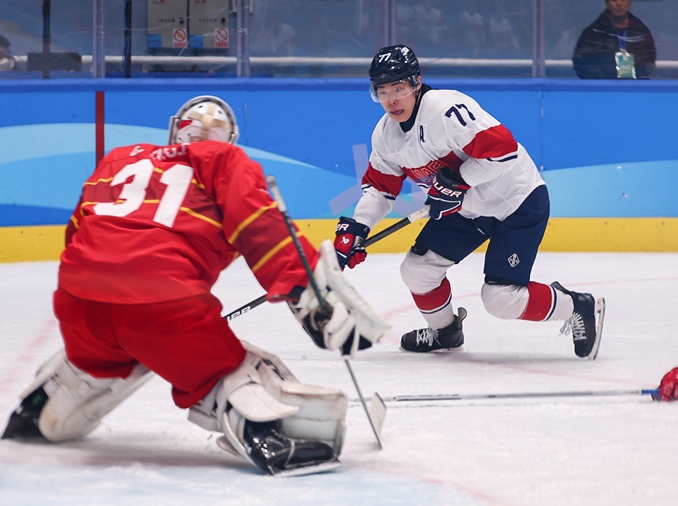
{"x": 158, "y": 223}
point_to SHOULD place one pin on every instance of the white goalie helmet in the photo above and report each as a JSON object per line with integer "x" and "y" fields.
{"x": 203, "y": 118}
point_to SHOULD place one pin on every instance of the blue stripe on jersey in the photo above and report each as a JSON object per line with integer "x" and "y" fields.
{"x": 386, "y": 195}
{"x": 501, "y": 160}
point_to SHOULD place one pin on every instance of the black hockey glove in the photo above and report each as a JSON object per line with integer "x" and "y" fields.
{"x": 348, "y": 242}
{"x": 447, "y": 193}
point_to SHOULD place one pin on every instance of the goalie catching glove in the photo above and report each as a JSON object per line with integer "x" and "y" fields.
{"x": 351, "y": 324}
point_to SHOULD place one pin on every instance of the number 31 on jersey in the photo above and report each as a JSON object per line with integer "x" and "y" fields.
{"x": 177, "y": 179}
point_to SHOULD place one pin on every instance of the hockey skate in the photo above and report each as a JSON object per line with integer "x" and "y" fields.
{"x": 23, "y": 422}
{"x": 428, "y": 339}
{"x": 586, "y": 322}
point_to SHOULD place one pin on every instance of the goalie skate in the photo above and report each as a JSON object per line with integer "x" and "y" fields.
{"x": 24, "y": 420}
{"x": 282, "y": 456}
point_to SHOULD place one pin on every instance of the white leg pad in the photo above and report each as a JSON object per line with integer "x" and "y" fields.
{"x": 245, "y": 390}
{"x": 77, "y": 401}
{"x": 264, "y": 389}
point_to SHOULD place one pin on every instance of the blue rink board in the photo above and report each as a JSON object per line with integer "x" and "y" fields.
{"x": 307, "y": 132}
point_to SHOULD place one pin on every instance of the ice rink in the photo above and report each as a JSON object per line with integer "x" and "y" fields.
{"x": 617, "y": 450}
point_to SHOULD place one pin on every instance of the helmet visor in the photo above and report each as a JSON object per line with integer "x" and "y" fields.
{"x": 390, "y": 92}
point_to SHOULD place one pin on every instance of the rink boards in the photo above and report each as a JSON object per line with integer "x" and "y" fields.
{"x": 605, "y": 150}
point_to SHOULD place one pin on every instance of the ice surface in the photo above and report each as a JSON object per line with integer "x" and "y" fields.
{"x": 585, "y": 451}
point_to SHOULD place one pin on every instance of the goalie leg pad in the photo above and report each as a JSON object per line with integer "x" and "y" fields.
{"x": 243, "y": 389}
{"x": 321, "y": 411}
{"x": 304, "y": 422}
{"x": 77, "y": 401}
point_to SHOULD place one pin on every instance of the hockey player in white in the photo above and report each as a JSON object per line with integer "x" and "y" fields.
{"x": 481, "y": 185}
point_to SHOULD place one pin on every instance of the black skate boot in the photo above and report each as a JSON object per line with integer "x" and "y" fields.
{"x": 425, "y": 340}
{"x": 23, "y": 422}
{"x": 279, "y": 455}
{"x": 586, "y": 322}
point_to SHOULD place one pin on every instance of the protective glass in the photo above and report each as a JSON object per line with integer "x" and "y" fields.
{"x": 391, "y": 92}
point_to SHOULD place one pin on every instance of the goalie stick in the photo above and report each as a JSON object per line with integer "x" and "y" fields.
{"x": 380, "y": 408}
{"x": 411, "y": 218}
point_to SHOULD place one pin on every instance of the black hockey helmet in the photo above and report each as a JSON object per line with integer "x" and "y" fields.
{"x": 394, "y": 63}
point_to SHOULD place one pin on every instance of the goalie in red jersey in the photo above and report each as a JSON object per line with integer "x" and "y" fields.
{"x": 154, "y": 227}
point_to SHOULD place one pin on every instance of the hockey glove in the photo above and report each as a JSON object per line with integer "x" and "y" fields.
{"x": 348, "y": 242}
{"x": 351, "y": 324}
{"x": 668, "y": 388}
{"x": 447, "y": 193}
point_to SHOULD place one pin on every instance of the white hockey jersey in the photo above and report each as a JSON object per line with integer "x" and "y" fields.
{"x": 450, "y": 129}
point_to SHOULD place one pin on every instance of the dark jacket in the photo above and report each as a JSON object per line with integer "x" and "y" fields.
{"x": 594, "y": 53}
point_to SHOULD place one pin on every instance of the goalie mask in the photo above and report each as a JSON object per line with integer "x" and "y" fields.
{"x": 203, "y": 118}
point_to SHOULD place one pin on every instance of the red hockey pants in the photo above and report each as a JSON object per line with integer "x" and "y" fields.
{"x": 184, "y": 341}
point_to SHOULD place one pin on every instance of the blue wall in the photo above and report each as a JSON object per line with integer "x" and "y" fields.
{"x": 607, "y": 149}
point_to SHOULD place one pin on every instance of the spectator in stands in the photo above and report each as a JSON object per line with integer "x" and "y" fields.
{"x": 6, "y": 58}
{"x": 617, "y": 45}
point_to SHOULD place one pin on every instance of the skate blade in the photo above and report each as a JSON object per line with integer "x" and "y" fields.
{"x": 437, "y": 350}
{"x": 453, "y": 350}
{"x": 600, "y": 319}
{"x": 306, "y": 470}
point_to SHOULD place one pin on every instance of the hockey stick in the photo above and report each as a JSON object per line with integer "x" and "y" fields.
{"x": 410, "y": 218}
{"x": 520, "y": 395}
{"x": 273, "y": 185}
{"x": 417, "y": 215}
{"x": 247, "y": 307}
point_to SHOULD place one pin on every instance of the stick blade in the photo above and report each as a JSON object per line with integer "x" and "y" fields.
{"x": 377, "y": 414}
